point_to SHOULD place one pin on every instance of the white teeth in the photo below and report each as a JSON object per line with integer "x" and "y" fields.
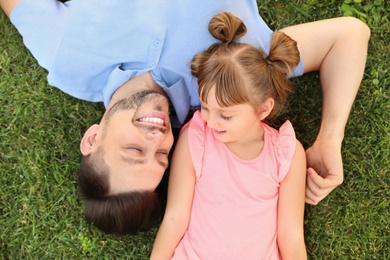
{"x": 154, "y": 120}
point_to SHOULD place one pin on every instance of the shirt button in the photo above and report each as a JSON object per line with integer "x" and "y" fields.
{"x": 153, "y": 64}
{"x": 157, "y": 43}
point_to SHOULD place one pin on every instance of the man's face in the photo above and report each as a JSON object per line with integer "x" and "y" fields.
{"x": 136, "y": 137}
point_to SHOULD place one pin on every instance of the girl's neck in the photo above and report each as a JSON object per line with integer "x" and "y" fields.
{"x": 248, "y": 148}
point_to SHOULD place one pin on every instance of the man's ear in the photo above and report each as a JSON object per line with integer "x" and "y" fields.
{"x": 265, "y": 108}
{"x": 87, "y": 144}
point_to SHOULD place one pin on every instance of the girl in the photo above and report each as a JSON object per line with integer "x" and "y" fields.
{"x": 237, "y": 186}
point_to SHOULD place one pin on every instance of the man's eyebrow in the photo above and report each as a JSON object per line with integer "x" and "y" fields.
{"x": 133, "y": 161}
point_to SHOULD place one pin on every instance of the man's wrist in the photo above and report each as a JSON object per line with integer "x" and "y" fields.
{"x": 330, "y": 135}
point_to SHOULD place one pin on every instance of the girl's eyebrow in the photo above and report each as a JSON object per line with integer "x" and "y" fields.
{"x": 226, "y": 109}
{"x": 220, "y": 109}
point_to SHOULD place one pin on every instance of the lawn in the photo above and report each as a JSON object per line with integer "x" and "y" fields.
{"x": 41, "y": 215}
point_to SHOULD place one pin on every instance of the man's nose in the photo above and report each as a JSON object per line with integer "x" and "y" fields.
{"x": 155, "y": 136}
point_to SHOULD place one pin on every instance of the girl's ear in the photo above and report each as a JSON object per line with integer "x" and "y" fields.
{"x": 88, "y": 142}
{"x": 265, "y": 108}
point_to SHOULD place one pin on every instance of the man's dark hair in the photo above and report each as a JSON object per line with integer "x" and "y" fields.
{"x": 123, "y": 213}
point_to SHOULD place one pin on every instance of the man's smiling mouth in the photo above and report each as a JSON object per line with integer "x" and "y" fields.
{"x": 153, "y": 120}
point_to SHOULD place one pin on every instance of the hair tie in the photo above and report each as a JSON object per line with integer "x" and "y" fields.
{"x": 268, "y": 61}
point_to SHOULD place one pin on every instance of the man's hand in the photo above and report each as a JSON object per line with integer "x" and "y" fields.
{"x": 324, "y": 170}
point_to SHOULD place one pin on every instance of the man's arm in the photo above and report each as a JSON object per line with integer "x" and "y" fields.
{"x": 338, "y": 49}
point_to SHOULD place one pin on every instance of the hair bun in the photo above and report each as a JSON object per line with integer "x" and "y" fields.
{"x": 226, "y": 27}
{"x": 284, "y": 53}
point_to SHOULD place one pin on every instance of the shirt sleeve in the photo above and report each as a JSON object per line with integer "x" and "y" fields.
{"x": 196, "y": 139}
{"x": 41, "y": 23}
{"x": 286, "y": 143}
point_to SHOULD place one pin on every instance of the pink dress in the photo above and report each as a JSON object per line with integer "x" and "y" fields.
{"x": 234, "y": 210}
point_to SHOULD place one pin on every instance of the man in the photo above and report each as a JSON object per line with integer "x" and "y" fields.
{"x": 125, "y": 51}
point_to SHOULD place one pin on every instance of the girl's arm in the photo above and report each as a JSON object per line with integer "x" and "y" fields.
{"x": 291, "y": 208}
{"x": 180, "y": 195}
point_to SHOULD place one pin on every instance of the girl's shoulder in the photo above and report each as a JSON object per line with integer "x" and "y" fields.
{"x": 195, "y": 131}
{"x": 282, "y": 144}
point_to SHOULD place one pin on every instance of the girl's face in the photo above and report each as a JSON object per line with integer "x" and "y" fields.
{"x": 230, "y": 124}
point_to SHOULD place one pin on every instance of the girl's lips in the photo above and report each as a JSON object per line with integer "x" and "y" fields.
{"x": 219, "y": 132}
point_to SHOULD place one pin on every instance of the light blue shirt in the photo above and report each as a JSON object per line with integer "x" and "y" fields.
{"x": 91, "y": 47}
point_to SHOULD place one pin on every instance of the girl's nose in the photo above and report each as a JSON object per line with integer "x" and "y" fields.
{"x": 212, "y": 121}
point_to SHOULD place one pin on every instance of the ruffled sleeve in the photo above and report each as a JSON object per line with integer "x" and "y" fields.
{"x": 286, "y": 143}
{"x": 196, "y": 139}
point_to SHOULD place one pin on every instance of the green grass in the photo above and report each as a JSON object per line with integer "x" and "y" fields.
{"x": 41, "y": 216}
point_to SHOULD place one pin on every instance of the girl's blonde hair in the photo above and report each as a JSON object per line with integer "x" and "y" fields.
{"x": 240, "y": 72}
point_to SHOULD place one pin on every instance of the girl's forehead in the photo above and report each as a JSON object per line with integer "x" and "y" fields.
{"x": 213, "y": 105}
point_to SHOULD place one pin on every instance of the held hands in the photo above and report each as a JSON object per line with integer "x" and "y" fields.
{"x": 325, "y": 170}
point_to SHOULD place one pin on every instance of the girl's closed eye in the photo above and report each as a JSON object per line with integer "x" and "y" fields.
{"x": 225, "y": 117}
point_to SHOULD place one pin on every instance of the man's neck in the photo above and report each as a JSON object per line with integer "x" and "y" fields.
{"x": 141, "y": 82}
